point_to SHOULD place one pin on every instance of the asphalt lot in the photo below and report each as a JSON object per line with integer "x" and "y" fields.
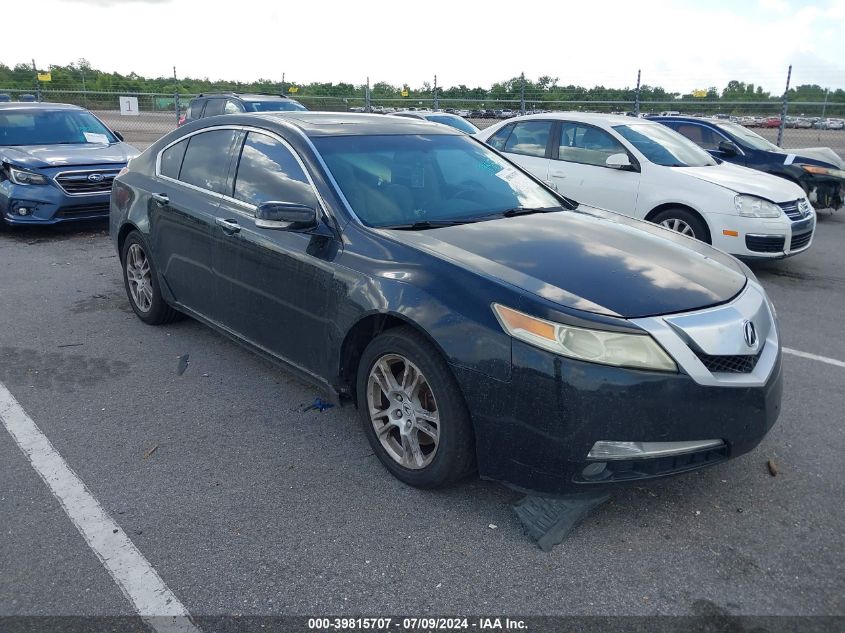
{"x": 250, "y": 505}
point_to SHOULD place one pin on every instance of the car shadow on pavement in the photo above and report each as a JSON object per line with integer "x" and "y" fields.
{"x": 31, "y": 235}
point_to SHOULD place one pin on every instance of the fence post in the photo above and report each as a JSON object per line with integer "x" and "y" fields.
{"x": 824, "y": 106}
{"x": 176, "y": 96}
{"x": 367, "y": 104}
{"x": 637, "y": 96}
{"x": 37, "y": 83}
{"x": 436, "y": 100}
{"x": 784, "y": 108}
{"x": 522, "y": 93}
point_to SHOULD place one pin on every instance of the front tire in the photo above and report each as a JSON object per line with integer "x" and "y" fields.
{"x": 140, "y": 279}
{"x": 683, "y": 221}
{"x": 413, "y": 411}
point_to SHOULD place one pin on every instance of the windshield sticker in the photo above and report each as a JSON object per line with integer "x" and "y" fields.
{"x": 93, "y": 137}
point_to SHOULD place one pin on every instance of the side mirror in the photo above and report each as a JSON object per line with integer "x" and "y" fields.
{"x": 285, "y": 216}
{"x": 728, "y": 148}
{"x": 118, "y": 135}
{"x": 618, "y": 161}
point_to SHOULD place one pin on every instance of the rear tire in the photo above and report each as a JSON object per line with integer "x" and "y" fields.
{"x": 140, "y": 278}
{"x": 685, "y": 222}
{"x": 413, "y": 411}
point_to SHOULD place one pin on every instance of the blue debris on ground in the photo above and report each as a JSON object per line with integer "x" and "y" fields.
{"x": 319, "y": 405}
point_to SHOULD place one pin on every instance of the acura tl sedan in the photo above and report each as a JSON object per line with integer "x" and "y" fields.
{"x": 648, "y": 171}
{"x": 57, "y": 163}
{"x": 479, "y": 320}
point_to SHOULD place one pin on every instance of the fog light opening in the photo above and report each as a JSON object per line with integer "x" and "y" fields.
{"x": 24, "y": 210}
{"x": 608, "y": 449}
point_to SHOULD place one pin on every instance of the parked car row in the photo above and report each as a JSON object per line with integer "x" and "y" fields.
{"x": 452, "y": 285}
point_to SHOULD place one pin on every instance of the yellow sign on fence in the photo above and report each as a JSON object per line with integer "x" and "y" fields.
{"x": 404, "y": 93}
{"x": 699, "y": 93}
{"x": 45, "y": 77}
{"x": 293, "y": 89}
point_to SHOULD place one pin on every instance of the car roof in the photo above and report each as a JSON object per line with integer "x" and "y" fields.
{"x": 316, "y": 124}
{"x": 246, "y": 96}
{"x": 584, "y": 117}
{"x": 36, "y": 105}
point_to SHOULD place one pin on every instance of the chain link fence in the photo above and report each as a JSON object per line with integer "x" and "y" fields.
{"x": 807, "y": 124}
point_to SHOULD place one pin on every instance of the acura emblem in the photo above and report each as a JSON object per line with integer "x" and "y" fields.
{"x": 96, "y": 177}
{"x": 750, "y": 334}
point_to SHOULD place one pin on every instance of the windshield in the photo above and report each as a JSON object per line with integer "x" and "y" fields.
{"x": 748, "y": 137}
{"x": 663, "y": 146}
{"x": 453, "y": 121}
{"x": 52, "y": 127}
{"x": 408, "y": 179}
{"x": 273, "y": 106}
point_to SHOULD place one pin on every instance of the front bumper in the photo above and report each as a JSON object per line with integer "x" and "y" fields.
{"x": 761, "y": 238}
{"x": 534, "y": 433}
{"x": 49, "y": 204}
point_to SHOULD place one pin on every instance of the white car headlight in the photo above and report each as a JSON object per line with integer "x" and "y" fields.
{"x": 754, "y": 207}
{"x": 23, "y": 177}
{"x": 639, "y": 351}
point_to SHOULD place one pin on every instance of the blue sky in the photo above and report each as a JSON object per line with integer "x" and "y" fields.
{"x": 678, "y": 45}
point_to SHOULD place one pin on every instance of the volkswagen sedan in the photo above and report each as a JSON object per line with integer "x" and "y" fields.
{"x": 478, "y": 319}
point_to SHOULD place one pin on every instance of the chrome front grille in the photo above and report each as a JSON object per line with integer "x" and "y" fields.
{"x": 87, "y": 182}
{"x": 734, "y": 344}
{"x": 797, "y": 209}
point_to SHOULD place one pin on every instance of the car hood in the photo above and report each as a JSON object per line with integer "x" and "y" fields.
{"x": 824, "y": 154}
{"x": 745, "y": 180}
{"x": 40, "y": 156}
{"x": 591, "y": 260}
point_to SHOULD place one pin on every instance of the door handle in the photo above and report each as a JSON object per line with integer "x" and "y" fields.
{"x": 161, "y": 198}
{"x": 230, "y": 227}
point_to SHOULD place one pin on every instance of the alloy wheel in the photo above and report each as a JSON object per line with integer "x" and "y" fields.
{"x": 403, "y": 411}
{"x": 139, "y": 276}
{"x": 679, "y": 226}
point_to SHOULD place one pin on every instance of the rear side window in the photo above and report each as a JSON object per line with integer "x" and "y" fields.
{"x": 206, "y": 161}
{"x": 171, "y": 160}
{"x": 498, "y": 140}
{"x": 195, "y": 109}
{"x": 214, "y": 106}
{"x": 529, "y": 138}
{"x": 268, "y": 171}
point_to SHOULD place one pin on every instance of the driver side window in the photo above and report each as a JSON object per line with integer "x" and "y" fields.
{"x": 585, "y": 144}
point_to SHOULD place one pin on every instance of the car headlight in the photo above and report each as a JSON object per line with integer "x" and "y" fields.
{"x": 823, "y": 171}
{"x": 593, "y": 346}
{"x": 23, "y": 177}
{"x": 754, "y": 207}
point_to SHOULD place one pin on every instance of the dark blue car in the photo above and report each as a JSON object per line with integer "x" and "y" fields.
{"x": 476, "y": 318}
{"x": 57, "y": 163}
{"x": 819, "y": 171}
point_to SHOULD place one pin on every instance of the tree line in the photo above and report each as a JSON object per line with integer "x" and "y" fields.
{"x": 82, "y": 76}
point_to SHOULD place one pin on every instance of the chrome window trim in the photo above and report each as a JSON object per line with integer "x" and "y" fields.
{"x": 751, "y": 301}
{"x": 116, "y": 170}
{"x": 230, "y": 199}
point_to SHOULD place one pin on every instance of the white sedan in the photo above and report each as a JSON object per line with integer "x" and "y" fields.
{"x": 645, "y": 170}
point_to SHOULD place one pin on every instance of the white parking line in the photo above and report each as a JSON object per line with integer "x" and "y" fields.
{"x": 821, "y": 359}
{"x": 151, "y": 598}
